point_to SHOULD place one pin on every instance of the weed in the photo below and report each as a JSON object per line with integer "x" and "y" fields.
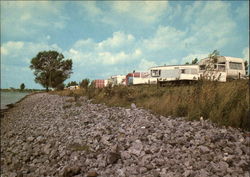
{"x": 66, "y": 106}
{"x": 78, "y": 104}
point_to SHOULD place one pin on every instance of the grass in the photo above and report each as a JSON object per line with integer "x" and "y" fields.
{"x": 223, "y": 103}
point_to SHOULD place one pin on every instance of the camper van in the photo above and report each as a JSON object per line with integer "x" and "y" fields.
{"x": 225, "y": 68}
{"x": 175, "y": 73}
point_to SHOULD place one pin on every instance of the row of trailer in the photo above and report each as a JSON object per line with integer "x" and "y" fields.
{"x": 220, "y": 69}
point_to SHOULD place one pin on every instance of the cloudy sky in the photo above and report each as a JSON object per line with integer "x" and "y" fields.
{"x": 107, "y": 38}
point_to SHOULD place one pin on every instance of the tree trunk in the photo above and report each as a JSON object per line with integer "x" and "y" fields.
{"x": 47, "y": 88}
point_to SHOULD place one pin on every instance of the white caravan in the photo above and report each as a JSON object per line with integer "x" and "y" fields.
{"x": 175, "y": 73}
{"x": 221, "y": 70}
{"x": 117, "y": 80}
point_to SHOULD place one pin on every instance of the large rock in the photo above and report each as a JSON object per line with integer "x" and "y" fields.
{"x": 136, "y": 147}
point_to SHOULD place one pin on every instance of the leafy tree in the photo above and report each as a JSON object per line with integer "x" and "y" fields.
{"x": 50, "y": 68}
{"x": 22, "y": 86}
{"x": 92, "y": 84}
{"x": 72, "y": 83}
{"x": 84, "y": 83}
{"x": 214, "y": 56}
{"x": 210, "y": 65}
{"x": 187, "y": 63}
{"x": 195, "y": 61}
{"x": 60, "y": 86}
{"x": 246, "y": 66}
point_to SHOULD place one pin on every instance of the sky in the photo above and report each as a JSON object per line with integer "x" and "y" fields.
{"x": 105, "y": 38}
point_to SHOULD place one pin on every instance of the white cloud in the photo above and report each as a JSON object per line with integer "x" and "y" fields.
{"x": 144, "y": 65}
{"x": 212, "y": 26}
{"x": 119, "y": 39}
{"x": 165, "y": 37}
{"x": 28, "y": 19}
{"x": 20, "y": 52}
{"x": 114, "y": 50}
{"x": 191, "y": 57}
{"x": 119, "y": 12}
{"x": 144, "y": 11}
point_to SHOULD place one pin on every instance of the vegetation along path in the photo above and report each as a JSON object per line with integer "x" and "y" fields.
{"x": 52, "y": 135}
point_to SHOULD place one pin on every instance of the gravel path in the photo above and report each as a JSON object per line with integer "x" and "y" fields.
{"x": 51, "y": 135}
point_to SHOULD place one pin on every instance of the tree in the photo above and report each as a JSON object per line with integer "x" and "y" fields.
{"x": 84, "y": 83}
{"x": 214, "y": 56}
{"x": 50, "y": 68}
{"x": 22, "y": 86}
{"x": 187, "y": 63}
{"x": 60, "y": 86}
{"x": 246, "y": 66}
{"x": 210, "y": 72}
{"x": 195, "y": 61}
{"x": 72, "y": 83}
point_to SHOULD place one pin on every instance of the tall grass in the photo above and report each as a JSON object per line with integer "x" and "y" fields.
{"x": 222, "y": 103}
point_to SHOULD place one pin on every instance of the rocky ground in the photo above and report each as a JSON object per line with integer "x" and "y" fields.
{"x": 51, "y": 135}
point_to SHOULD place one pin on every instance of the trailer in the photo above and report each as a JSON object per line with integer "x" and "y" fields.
{"x": 175, "y": 73}
{"x": 100, "y": 83}
{"x": 222, "y": 69}
{"x": 139, "y": 78}
{"x": 117, "y": 80}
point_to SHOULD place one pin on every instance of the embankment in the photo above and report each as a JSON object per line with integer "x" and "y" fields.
{"x": 222, "y": 103}
{"x": 52, "y": 135}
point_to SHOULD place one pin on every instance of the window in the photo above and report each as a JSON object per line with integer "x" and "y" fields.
{"x": 182, "y": 70}
{"x": 202, "y": 67}
{"x": 155, "y": 73}
{"x": 234, "y": 65}
{"x": 221, "y": 67}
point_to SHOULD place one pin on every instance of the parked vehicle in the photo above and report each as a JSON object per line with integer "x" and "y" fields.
{"x": 175, "y": 73}
{"x": 117, "y": 80}
{"x": 222, "y": 69}
{"x": 100, "y": 83}
{"x": 137, "y": 78}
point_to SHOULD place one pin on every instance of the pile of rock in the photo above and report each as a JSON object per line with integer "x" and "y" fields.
{"x": 51, "y": 135}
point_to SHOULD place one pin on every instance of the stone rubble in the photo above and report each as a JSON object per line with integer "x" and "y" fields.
{"x": 51, "y": 135}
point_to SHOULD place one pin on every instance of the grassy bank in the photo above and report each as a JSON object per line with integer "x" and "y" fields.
{"x": 222, "y": 103}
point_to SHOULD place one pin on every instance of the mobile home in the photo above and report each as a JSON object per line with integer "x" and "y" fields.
{"x": 100, "y": 83}
{"x": 175, "y": 73}
{"x": 137, "y": 78}
{"x": 222, "y": 69}
{"x": 117, "y": 80}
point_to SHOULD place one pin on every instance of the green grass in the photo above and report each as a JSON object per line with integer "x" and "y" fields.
{"x": 223, "y": 103}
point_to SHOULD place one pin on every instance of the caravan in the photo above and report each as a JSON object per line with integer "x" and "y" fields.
{"x": 222, "y": 69}
{"x": 175, "y": 73}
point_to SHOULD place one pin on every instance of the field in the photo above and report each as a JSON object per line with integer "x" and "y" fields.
{"x": 223, "y": 103}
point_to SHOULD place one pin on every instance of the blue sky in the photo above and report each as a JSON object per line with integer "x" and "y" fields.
{"x": 107, "y": 38}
